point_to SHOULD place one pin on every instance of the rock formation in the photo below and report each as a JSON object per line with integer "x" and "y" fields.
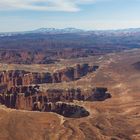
{"x": 20, "y": 90}
{"x": 65, "y": 109}
{"x": 21, "y": 77}
{"x": 31, "y": 98}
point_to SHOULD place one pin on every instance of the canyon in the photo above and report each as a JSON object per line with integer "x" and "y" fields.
{"x": 18, "y": 92}
{"x": 86, "y": 97}
{"x": 21, "y": 77}
{"x": 43, "y": 47}
{"x": 55, "y": 100}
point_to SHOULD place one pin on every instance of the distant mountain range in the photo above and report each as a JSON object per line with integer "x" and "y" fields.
{"x": 46, "y": 30}
{"x": 75, "y": 30}
{"x": 45, "y": 45}
{"x": 54, "y": 30}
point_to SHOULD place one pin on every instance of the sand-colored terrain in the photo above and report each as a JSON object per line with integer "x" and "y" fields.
{"x": 117, "y": 118}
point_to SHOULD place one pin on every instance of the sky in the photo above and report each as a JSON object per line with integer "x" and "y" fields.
{"x": 24, "y": 15}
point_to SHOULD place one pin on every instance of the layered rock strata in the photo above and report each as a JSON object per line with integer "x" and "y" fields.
{"x": 31, "y": 98}
{"x": 20, "y": 77}
{"x": 19, "y": 89}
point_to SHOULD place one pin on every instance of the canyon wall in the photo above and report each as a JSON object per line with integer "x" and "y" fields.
{"x": 21, "y": 77}
{"x": 19, "y": 89}
{"x": 31, "y": 98}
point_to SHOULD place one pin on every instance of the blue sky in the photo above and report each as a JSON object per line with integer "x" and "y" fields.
{"x": 22, "y": 15}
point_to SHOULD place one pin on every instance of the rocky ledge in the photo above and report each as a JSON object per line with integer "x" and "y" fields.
{"x": 20, "y": 77}
{"x": 32, "y": 99}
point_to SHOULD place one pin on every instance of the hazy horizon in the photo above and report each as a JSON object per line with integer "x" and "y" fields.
{"x": 113, "y": 29}
{"x": 25, "y": 15}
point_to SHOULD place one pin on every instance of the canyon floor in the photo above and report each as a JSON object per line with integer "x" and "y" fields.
{"x": 117, "y": 118}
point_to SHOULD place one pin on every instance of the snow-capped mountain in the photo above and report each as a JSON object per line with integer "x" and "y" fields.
{"x": 54, "y": 30}
{"x": 120, "y": 32}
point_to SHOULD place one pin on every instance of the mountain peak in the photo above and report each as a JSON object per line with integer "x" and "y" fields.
{"x": 54, "y": 30}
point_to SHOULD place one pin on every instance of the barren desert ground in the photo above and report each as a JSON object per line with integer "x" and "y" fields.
{"x": 116, "y": 118}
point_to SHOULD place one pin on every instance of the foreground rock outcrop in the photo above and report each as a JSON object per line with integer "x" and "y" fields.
{"x": 19, "y": 89}
{"x": 31, "y": 98}
{"x": 65, "y": 109}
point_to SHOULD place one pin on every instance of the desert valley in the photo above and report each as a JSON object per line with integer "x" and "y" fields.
{"x": 70, "y": 84}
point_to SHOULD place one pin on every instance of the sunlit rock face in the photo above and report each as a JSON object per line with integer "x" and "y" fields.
{"x": 21, "y": 77}
{"x": 20, "y": 90}
{"x": 31, "y": 98}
